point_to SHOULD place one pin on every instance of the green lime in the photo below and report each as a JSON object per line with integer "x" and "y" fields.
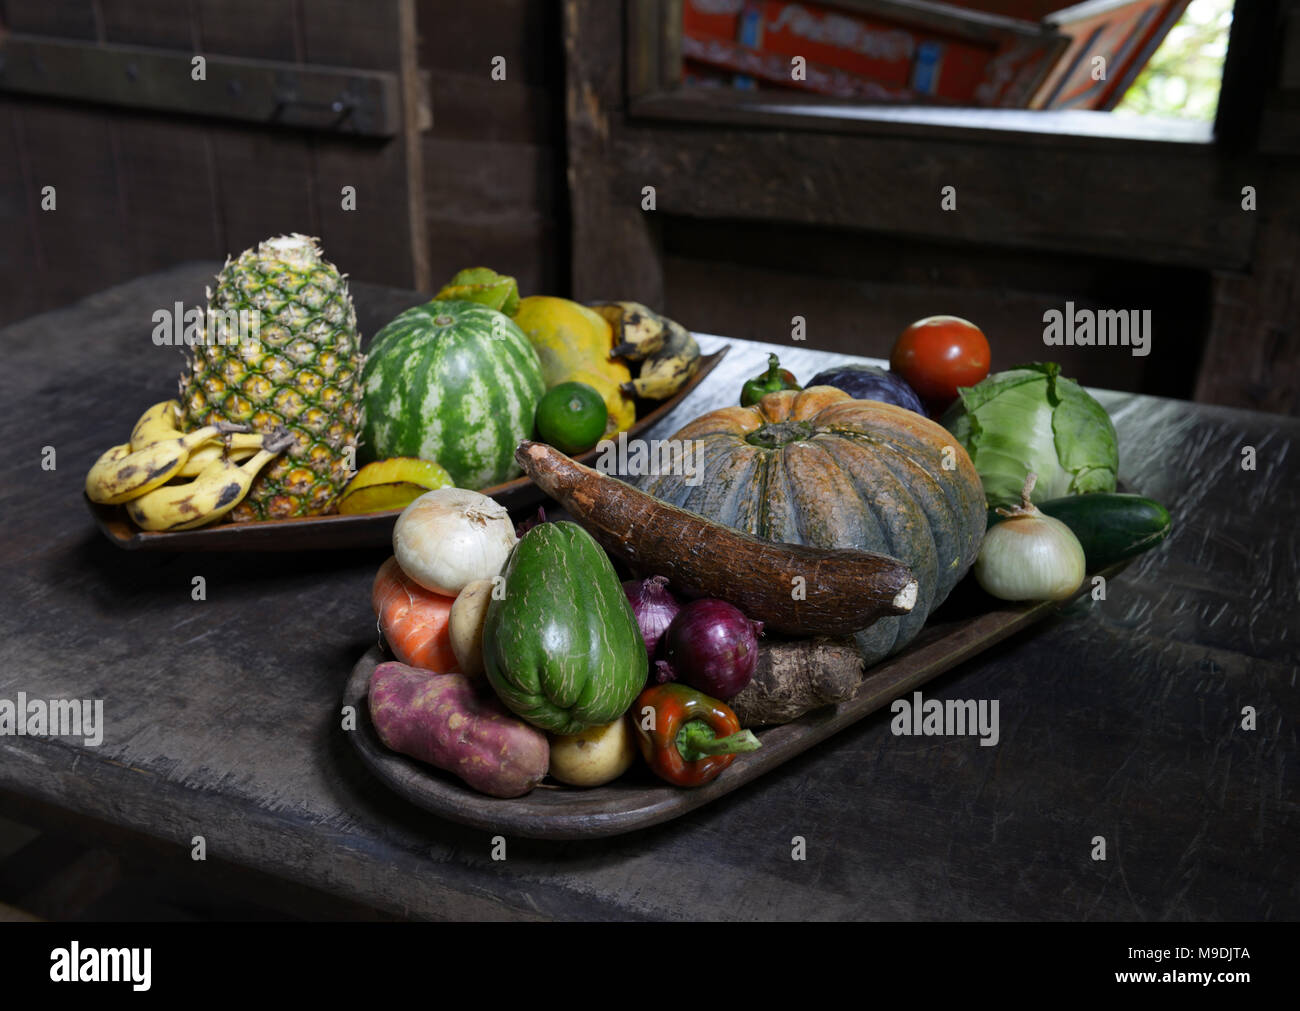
{"x": 572, "y": 417}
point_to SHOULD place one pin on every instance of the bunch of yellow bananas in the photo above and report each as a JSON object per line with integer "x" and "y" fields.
{"x": 148, "y": 473}
{"x": 668, "y": 354}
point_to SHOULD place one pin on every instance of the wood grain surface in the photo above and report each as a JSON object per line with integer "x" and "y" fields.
{"x": 1119, "y": 718}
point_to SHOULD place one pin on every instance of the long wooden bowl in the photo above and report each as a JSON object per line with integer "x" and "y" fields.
{"x": 363, "y": 531}
{"x": 967, "y": 624}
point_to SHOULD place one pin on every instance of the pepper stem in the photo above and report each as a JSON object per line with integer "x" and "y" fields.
{"x": 733, "y": 744}
{"x": 696, "y": 740}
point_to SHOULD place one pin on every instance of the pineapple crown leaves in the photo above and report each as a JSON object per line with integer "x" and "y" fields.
{"x": 294, "y": 251}
{"x": 295, "y": 248}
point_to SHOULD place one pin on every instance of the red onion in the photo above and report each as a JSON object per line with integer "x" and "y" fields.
{"x": 653, "y": 606}
{"x": 523, "y": 527}
{"x": 712, "y": 647}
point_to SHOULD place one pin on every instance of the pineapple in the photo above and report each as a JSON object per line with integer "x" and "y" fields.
{"x": 301, "y": 370}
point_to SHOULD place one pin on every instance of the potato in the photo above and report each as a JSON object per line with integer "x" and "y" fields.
{"x": 457, "y": 725}
{"x": 595, "y": 756}
{"x": 467, "y": 616}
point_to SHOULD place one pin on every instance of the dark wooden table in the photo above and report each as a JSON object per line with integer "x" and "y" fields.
{"x": 1120, "y": 719}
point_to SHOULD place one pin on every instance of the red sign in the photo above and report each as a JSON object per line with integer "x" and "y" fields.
{"x": 817, "y": 47}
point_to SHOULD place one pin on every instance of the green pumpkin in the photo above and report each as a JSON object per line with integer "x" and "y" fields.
{"x": 817, "y": 467}
{"x": 562, "y": 648}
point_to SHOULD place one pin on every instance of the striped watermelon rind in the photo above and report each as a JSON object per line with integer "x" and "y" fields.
{"x": 456, "y": 382}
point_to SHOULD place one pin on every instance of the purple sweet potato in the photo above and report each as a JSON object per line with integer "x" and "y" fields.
{"x": 446, "y": 721}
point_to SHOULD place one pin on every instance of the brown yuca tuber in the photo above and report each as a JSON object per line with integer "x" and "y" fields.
{"x": 841, "y": 590}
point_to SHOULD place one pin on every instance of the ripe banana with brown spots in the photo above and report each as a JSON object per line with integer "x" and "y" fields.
{"x": 238, "y": 446}
{"x": 638, "y": 332}
{"x": 110, "y": 456}
{"x": 161, "y": 421}
{"x": 668, "y": 369}
{"x": 115, "y": 478}
{"x": 220, "y": 487}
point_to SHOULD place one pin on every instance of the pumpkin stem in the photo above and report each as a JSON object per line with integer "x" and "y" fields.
{"x": 780, "y": 433}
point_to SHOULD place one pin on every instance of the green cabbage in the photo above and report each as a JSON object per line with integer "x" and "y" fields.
{"x": 1033, "y": 418}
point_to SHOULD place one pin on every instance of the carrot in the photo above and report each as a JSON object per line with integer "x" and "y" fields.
{"x": 416, "y": 622}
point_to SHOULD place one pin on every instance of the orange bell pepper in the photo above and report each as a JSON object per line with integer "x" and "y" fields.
{"x": 692, "y": 738}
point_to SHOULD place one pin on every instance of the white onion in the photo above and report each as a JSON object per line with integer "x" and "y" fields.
{"x": 448, "y": 538}
{"x": 1030, "y": 556}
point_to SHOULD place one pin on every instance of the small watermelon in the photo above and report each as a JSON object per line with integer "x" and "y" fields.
{"x": 456, "y": 382}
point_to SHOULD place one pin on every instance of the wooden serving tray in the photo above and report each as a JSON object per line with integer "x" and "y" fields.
{"x": 967, "y": 624}
{"x": 312, "y": 533}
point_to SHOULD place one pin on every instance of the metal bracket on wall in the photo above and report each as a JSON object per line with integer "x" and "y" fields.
{"x": 335, "y": 99}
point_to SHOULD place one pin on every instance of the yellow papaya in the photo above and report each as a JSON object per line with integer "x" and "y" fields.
{"x": 573, "y": 344}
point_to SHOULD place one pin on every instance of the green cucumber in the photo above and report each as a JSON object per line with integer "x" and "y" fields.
{"x": 1110, "y": 526}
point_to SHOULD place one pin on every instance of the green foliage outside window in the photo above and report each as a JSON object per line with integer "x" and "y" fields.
{"x": 1182, "y": 78}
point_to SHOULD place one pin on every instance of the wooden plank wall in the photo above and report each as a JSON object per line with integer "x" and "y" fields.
{"x": 857, "y": 293}
{"x": 761, "y": 216}
{"x": 138, "y": 192}
{"x": 494, "y": 160}
{"x": 1252, "y": 358}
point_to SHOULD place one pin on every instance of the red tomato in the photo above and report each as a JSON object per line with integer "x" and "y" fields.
{"x": 937, "y": 354}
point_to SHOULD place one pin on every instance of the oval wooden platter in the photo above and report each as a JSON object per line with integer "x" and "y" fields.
{"x": 310, "y": 533}
{"x": 968, "y": 623}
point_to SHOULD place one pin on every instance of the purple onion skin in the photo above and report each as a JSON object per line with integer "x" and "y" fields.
{"x": 712, "y": 647}
{"x": 523, "y": 527}
{"x": 654, "y": 608}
